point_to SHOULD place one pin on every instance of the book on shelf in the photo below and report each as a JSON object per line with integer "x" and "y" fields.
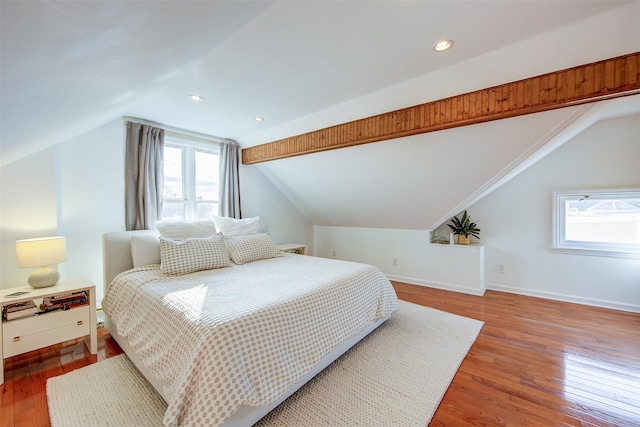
{"x": 18, "y": 310}
{"x": 63, "y": 302}
{"x": 65, "y": 297}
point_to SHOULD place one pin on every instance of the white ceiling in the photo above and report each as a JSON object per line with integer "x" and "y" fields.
{"x": 68, "y": 67}
{"x": 71, "y": 66}
{"x": 420, "y": 182}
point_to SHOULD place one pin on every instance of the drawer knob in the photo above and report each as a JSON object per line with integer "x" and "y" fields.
{"x": 80, "y": 322}
{"x": 16, "y": 339}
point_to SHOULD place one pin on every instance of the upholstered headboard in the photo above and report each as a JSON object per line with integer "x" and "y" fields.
{"x": 116, "y": 252}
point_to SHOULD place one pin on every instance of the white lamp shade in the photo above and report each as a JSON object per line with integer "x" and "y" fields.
{"x": 41, "y": 252}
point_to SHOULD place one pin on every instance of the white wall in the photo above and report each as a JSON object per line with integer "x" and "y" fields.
{"x": 457, "y": 268}
{"x": 259, "y": 197}
{"x": 607, "y": 155}
{"x": 516, "y": 231}
{"x": 28, "y": 209}
{"x": 90, "y": 197}
{"x": 76, "y": 189}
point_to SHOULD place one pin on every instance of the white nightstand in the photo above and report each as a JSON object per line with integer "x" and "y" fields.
{"x": 293, "y": 248}
{"x": 30, "y": 333}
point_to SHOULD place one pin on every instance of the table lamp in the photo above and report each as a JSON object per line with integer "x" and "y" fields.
{"x": 42, "y": 252}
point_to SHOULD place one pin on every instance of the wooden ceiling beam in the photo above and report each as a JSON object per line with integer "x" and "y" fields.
{"x": 610, "y": 78}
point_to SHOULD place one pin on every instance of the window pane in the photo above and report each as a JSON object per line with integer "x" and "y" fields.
{"x": 173, "y": 173}
{"x": 206, "y": 210}
{"x": 172, "y": 211}
{"x": 603, "y": 220}
{"x": 206, "y": 176}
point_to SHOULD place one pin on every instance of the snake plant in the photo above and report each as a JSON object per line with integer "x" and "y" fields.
{"x": 464, "y": 226}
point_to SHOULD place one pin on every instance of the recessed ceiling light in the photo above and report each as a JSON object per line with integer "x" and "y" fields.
{"x": 196, "y": 98}
{"x": 443, "y": 45}
{"x": 258, "y": 119}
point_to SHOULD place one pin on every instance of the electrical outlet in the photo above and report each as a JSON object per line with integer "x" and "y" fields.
{"x": 333, "y": 253}
{"x": 500, "y": 268}
{"x": 394, "y": 261}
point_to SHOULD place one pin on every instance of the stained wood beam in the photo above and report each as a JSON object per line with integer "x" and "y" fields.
{"x": 606, "y": 79}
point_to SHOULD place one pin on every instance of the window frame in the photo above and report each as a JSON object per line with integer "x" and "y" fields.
{"x": 560, "y": 245}
{"x": 189, "y": 146}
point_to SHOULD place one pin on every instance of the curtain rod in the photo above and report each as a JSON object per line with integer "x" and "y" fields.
{"x": 178, "y": 131}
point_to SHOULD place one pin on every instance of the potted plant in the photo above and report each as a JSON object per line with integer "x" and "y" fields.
{"x": 464, "y": 228}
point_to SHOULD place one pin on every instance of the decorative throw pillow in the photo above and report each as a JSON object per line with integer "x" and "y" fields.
{"x": 193, "y": 254}
{"x": 145, "y": 250}
{"x": 180, "y": 230}
{"x": 251, "y": 247}
{"x": 238, "y": 227}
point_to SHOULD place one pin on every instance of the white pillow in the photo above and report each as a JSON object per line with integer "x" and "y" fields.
{"x": 192, "y": 254}
{"x": 145, "y": 250}
{"x": 238, "y": 227}
{"x": 251, "y": 247}
{"x": 179, "y": 230}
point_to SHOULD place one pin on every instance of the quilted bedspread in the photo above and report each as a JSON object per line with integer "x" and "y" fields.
{"x": 242, "y": 335}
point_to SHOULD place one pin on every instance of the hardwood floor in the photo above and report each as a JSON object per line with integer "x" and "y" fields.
{"x": 536, "y": 362}
{"x": 540, "y": 362}
{"x": 24, "y": 400}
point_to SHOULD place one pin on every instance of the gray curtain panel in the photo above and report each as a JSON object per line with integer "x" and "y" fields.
{"x": 229, "y": 204}
{"x": 144, "y": 176}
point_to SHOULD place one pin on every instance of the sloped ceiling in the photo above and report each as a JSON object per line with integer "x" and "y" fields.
{"x": 68, "y": 67}
{"x": 72, "y": 66}
{"x": 419, "y": 182}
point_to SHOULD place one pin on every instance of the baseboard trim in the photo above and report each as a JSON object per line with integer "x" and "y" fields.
{"x": 437, "y": 285}
{"x": 594, "y": 302}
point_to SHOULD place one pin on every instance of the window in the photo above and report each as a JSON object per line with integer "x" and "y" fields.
{"x": 605, "y": 223}
{"x": 191, "y": 180}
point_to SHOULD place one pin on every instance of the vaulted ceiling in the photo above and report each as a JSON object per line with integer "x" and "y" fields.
{"x": 68, "y": 67}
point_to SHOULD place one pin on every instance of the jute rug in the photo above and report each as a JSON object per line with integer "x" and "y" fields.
{"x": 394, "y": 377}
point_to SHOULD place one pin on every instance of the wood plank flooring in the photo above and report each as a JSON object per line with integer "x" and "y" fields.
{"x": 540, "y": 362}
{"x": 536, "y": 362}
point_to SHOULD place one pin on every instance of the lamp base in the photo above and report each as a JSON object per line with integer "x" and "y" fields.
{"x": 43, "y": 277}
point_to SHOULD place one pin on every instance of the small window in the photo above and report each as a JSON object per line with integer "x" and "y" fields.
{"x": 191, "y": 180}
{"x": 605, "y": 223}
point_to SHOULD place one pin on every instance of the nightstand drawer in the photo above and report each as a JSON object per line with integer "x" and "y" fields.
{"x": 23, "y": 335}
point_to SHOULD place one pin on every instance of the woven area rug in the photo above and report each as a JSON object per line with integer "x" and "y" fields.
{"x": 395, "y": 376}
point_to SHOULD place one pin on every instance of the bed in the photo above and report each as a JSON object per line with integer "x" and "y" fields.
{"x": 226, "y": 345}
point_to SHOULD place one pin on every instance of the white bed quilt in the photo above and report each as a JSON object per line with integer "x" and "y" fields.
{"x": 245, "y": 334}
